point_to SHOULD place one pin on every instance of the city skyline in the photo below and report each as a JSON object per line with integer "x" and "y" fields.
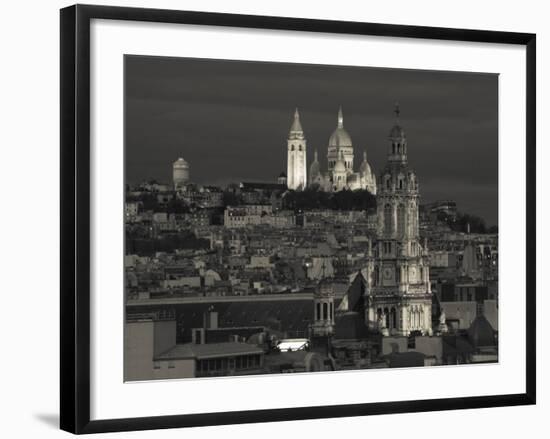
{"x": 266, "y": 277}
{"x": 249, "y": 130}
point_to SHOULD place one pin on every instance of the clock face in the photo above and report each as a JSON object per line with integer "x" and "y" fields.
{"x": 388, "y": 273}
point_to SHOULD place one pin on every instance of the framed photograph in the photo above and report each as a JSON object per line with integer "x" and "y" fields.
{"x": 268, "y": 218}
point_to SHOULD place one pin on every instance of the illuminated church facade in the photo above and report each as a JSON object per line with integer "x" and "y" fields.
{"x": 340, "y": 173}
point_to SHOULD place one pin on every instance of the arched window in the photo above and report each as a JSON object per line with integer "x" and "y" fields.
{"x": 292, "y": 147}
{"x": 331, "y": 314}
{"x": 400, "y": 183}
{"x": 299, "y": 147}
{"x": 393, "y": 319}
{"x": 388, "y": 218}
{"x": 393, "y": 148}
{"x": 318, "y": 311}
{"x": 325, "y": 311}
{"x": 401, "y": 220}
{"x": 399, "y": 148}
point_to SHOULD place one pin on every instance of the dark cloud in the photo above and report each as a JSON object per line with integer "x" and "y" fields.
{"x": 230, "y": 120}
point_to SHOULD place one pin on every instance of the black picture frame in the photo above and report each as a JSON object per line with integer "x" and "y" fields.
{"x": 75, "y": 218}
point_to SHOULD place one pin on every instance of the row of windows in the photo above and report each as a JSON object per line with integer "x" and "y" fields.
{"x": 401, "y": 183}
{"x": 388, "y": 317}
{"x": 241, "y": 362}
{"x": 326, "y": 310}
{"x": 399, "y": 148}
{"x": 348, "y": 165}
{"x": 398, "y": 280}
{"x": 299, "y": 147}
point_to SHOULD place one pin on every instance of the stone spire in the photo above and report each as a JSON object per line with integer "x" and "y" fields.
{"x": 314, "y": 169}
{"x": 296, "y": 126}
{"x": 340, "y": 118}
{"x": 397, "y": 140}
{"x": 397, "y": 131}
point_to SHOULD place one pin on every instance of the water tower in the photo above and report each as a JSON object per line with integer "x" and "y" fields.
{"x": 180, "y": 173}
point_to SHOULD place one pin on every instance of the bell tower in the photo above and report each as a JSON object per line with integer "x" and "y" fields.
{"x": 296, "y": 155}
{"x": 398, "y": 293}
{"x": 323, "y": 312}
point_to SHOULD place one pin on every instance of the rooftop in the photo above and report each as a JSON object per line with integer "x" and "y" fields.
{"x": 209, "y": 350}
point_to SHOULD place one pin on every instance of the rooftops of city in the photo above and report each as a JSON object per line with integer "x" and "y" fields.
{"x": 246, "y": 185}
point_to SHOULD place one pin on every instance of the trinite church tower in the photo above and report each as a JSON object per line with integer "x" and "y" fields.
{"x": 398, "y": 294}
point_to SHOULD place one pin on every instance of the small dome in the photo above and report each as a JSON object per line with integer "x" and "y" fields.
{"x": 340, "y": 166}
{"x": 365, "y": 169}
{"x": 397, "y": 132}
{"x": 181, "y": 163}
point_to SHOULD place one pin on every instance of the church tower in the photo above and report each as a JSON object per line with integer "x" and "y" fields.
{"x": 296, "y": 155}
{"x": 398, "y": 295}
{"x": 323, "y": 309}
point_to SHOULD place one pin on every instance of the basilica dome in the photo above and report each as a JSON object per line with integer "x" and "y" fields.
{"x": 340, "y": 136}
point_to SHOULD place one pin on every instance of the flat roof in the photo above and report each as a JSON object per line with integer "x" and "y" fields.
{"x": 209, "y": 350}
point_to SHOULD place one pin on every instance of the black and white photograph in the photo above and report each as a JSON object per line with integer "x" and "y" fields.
{"x": 286, "y": 218}
{"x": 275, "y": 219}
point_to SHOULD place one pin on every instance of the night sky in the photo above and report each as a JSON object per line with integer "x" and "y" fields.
{"x": 230, "y": 121}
